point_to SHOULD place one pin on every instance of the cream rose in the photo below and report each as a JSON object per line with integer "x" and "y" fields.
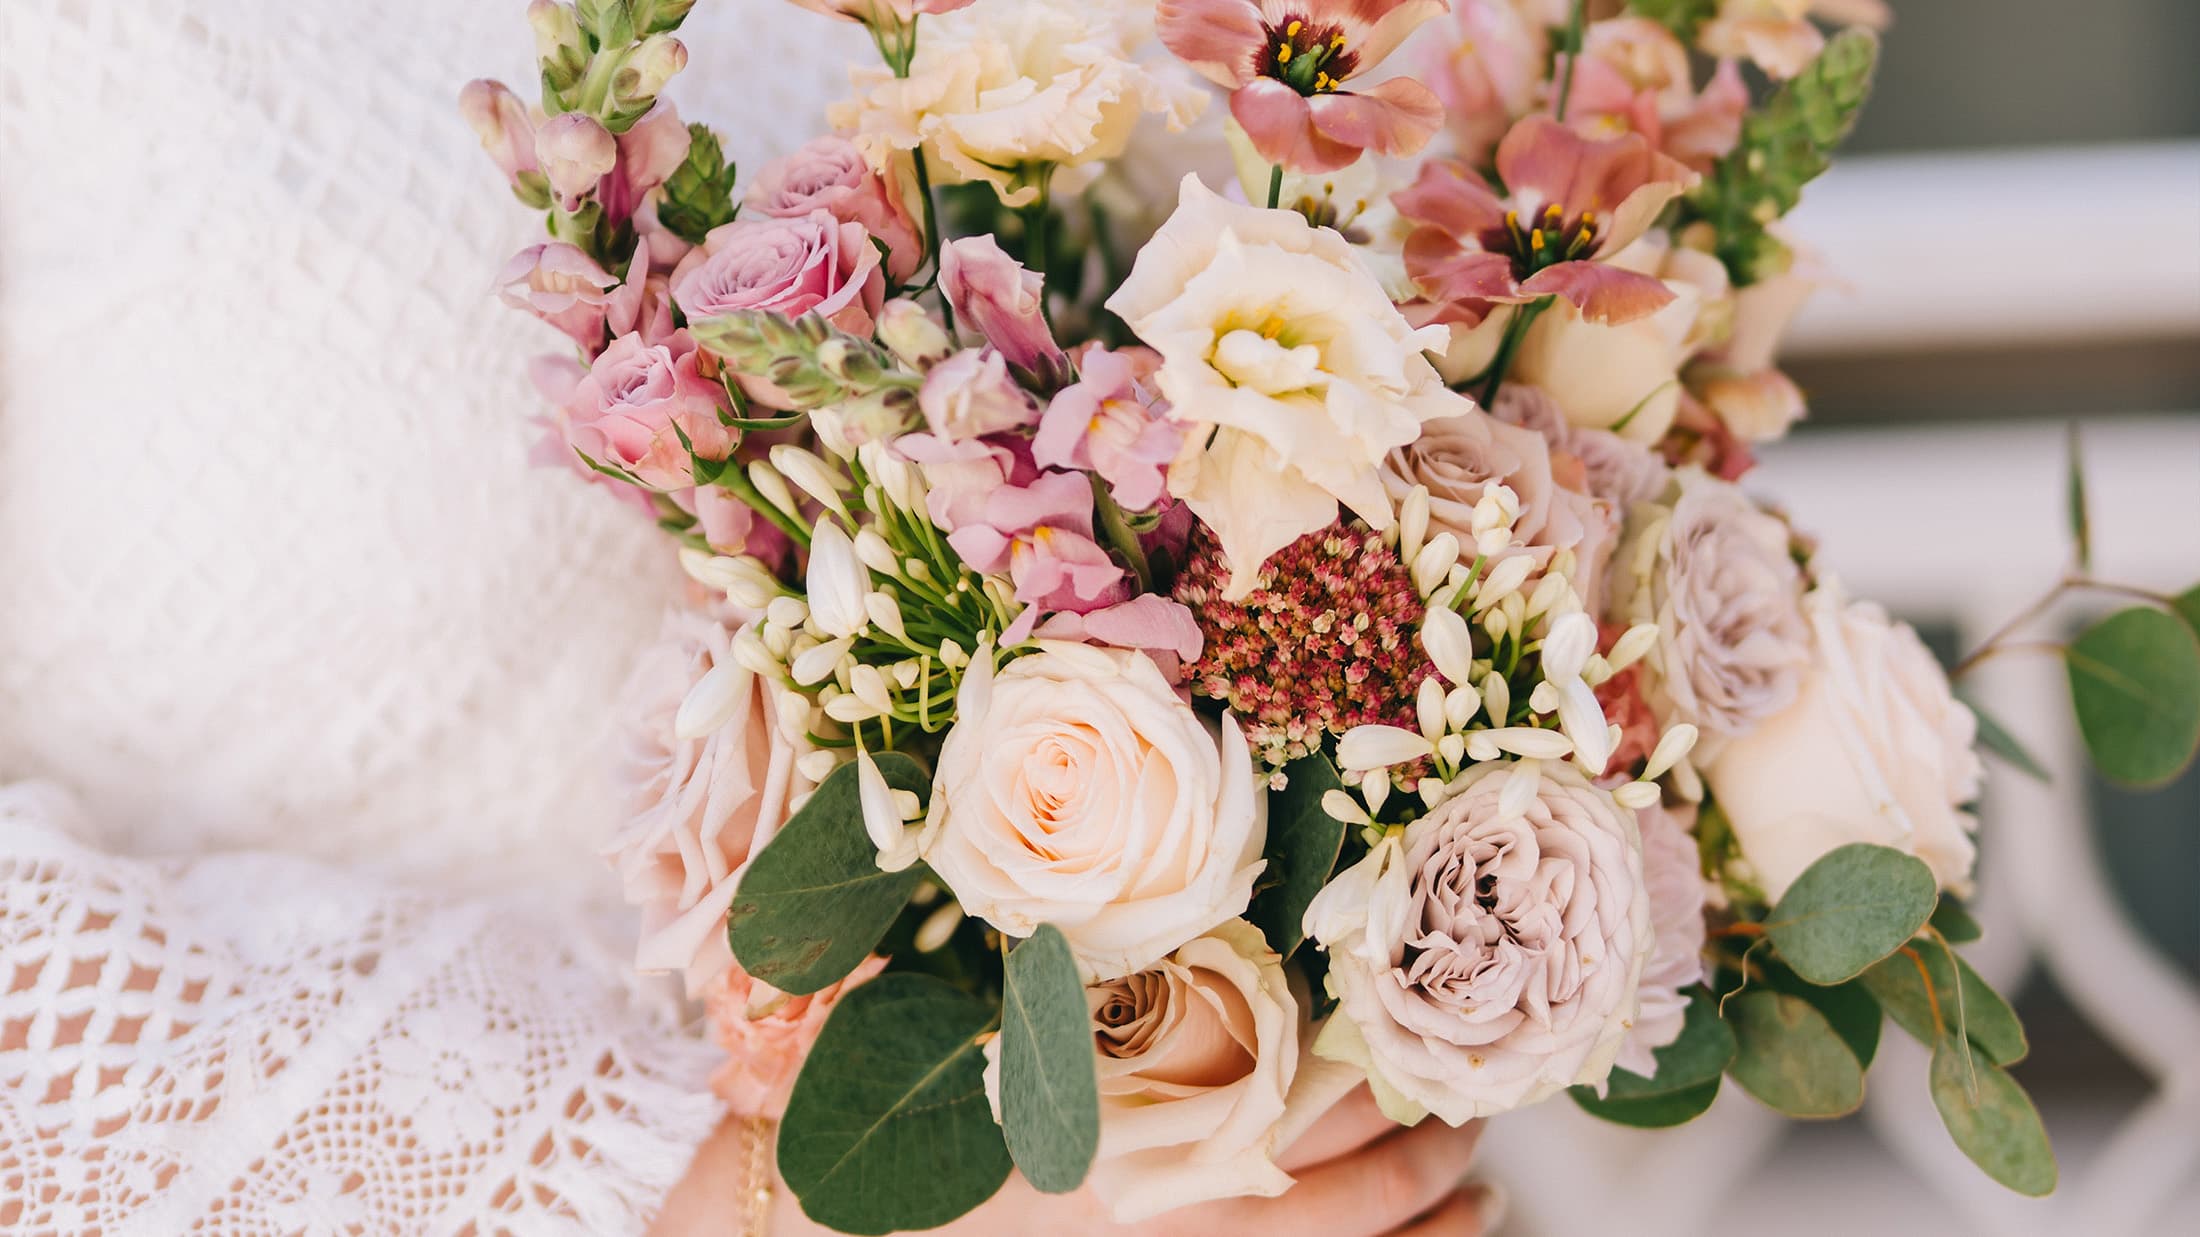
{"x": 1874, "y": 749}
{"x": 1626, "y": 378}
{"x": 1289, "y": 367}
{"x": 1716, "y": 577}
{"x": 1077, "y": 789}
{"x": 1487, "y": 956}
{"x": 1672, "y": 878}
{"x": 1005, "y": 85}
{"x": 710, "y": 768}
{"x": 1197, "y": 1055}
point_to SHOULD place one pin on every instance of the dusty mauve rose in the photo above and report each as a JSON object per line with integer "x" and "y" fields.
{"x": 1077, "y": 789}
{"x": 1674, "y": 884}
{"x": 1483, "y": 960}
{"x": 559, "y": 284}
{"x": 812, "y": 265}
{"x": 1717, "y": 578}
{"x": 623, "y": 412}
{"x": 1197, "y": 1054}
{"x": 766, "y": 1034}
{"x": 830, "y": 174}
{"x": 704, "y": 796}
{"x": 1874, "y": 749}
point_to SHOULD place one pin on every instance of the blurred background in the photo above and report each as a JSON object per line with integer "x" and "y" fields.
{"x": 2017, "y": 223}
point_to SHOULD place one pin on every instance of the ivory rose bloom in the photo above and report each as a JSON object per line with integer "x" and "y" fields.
{"x": 1077, "y": 789}
{"x": 710, "y": 774}
{"x": 1197, "y": 1055}
{"x": 1487, "y": 956}
{"x": 1874, "y": 749}
{"x": 1005, "y": 86}
{"x": 1717, "y": 579}
{"x": 766, "y": 1034}
{"x": 1287, "y": 365}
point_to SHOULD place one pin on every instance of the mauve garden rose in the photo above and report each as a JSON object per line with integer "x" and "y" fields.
{"x": 623, "y": 412}
{"x": 1077, "y": 788}
{"x": 830, "y": 174}
{"x": 1485, "y": 958}
{"x": 1717, "y": 578}
{"x": 1875, "y": 748}
{"x": 767, "y": 1033}
{"x": 710, "y": 770}
{"x": 1673, "y": 881}
{"x": 815, "y": 264}
{"x": 564, "y": 287}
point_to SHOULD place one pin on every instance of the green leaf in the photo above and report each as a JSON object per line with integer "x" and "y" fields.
{"x": 1702, "y": 1052}
{"x": 1848, "y": 1008}
{"x": 1952, "y": 919}
{"x": 1995, "y": 738}
{"x": 1993, "y": 1120}
{"x": 1682, "y": 17}
{"x": 1855, "y": 905}
{"x": 1050, "y": 1094}
{"x": 1650, "y": 1112}
{"x": 2135, "y": 683}
{"x": 609, "y": 21}
{"x": 1791, "y": 1058}
{"x": 2075, "y": 505}
{"x": 2187, "y": 605}
{"x": 1973, "y": 1008}
{"x": 888, "y": 1127}
{"x": 814, "y": 903}
{"x": 1303, "y": 842}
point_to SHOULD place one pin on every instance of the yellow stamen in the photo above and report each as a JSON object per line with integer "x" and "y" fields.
{"x": 1321, "y": 81}
{"x": 1292, "y": 30}
{"x": 1588, "y": 217}
{"x": 1512, "y": 220}
{"x": 1043, "y": 535}
{"x": 1535, "y": 239}
{"x": 1337, "y": 41}
{"x": 1283, "y": 53}
{"x": 1552, "y": 212}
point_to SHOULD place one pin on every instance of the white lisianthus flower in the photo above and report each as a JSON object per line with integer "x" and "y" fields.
{"x": 1290, "y": 367}
{"x": 1076, "y": 788}
{"x": 1487, "y": 956}
{"x": 1005, "y": 86}
{"x": 1875, "y": 748}
{"x": 1198, "y": 1054}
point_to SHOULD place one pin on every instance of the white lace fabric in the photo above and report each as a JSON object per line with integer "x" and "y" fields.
{"x": 254, "y": 1044}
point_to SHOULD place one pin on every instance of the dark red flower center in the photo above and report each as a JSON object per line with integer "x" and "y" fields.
{"x": 1545, "y": 239}
{"x": 1308, "y": 57}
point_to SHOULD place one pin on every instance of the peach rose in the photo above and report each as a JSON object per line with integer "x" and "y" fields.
{"x": 766, "y": 1034}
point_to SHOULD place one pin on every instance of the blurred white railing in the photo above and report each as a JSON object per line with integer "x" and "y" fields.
{"x": 1962, "y": 525}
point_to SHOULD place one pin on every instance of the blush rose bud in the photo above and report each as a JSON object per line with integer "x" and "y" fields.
{"x": 575, "y": 152}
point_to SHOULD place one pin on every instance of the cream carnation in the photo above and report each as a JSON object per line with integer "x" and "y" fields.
{"x": 1875, "y": 749}
{"x": 1005, "y": 85}
{"x": 711, "y": 774}
{"x": 1076, "y": 788}
{"x": 1291, "y": 370}
{"x": 1484, "y": 959}
{"x": 1718, "y": 580}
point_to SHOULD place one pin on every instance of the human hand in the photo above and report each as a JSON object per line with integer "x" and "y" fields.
{"x": 1359, "y": 1175}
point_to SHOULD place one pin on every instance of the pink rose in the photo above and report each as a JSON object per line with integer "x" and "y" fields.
{"x": 559, "y": 284}
{"x": 710, "y": 769}
{"x": 1005, "y": 302}
{"x": 767, "y": 1034}
{"x": 812, "y": 265}
{"x": 830, "y": 174}
{"x": 624, "y": 411}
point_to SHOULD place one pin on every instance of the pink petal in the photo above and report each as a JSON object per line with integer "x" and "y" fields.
{"x": 1220, "y": 39}
{"x": 1146, "y": 621}
{"x": 1396, "y": 117}
{"x": 1388, "y": 23}
{"x": 1602, "y": 292}
{"x": 1281, "y": 127}
{"x": 1622, "y": 180}
{"x": 1452, "y": 196}
{"x": 1445, "y": 270}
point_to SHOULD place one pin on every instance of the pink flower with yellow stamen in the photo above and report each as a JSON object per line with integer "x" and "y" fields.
{"x": 1286, "y": 63}
{"x": 1574, "y": 202}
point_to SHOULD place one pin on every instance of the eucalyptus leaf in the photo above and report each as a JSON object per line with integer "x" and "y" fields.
{"x": 814, "y": 903}
{"x": 1650, "y": 1112}
{"x": 2187, "y": 605}
{"x": 1952, "y": 919}
{"x": 1050, "y": 1093}
{"x": 2135, "y": 683}
{"x": 1993, "y": 1121}
{"x": 888, "y": 1128}
{"x": 1791, "y": 1058}
{"x": 1855, "y": 905}
{"x": 1700, "y": 1054}
{"x": 1303, "y": 843}
{"x": 1995, "y": 738}
{"x": 1849, "y": 1009}
{"x": 1974, "y": 1009}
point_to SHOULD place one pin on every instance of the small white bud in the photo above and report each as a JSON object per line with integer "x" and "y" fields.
{"x": 1432, "y": 791}
{"x": 1413, "y": 523}
{"x": 837, "y": 583}
{"x": 1429, "y": 705}
{"x": 1460, "y": 706}
{"x": 1567, "y": 647}
{"x": 1449, "y": 644}
{"x": 813, "y": 476}
{"x": 750, "y": 653}
{"x": 818, "y": 663}
{"x": 1596, "y": 670}
{"x": 1379, "y": 747}
{"x": 907, "y": 672}
{"x": 712, "y": 701}
{"x": 1434, "y": 562}
{"x": 952, "y": 655}
{"x": 1452, "y": 748}
{"x": 1520, "y": 789}
{"x": 1548, "y": 592}
{"x": 818, "y": 765}
{"x": 870, "y": 686}
{"x": 780, "y": 641}
{"x": 1636, "y": 796}
{"x": 772, "y": 486}
{"x": 1495, "y": 623}
{"x": 1344, "y": 808}
{"x": 938, "y": 928}
{"x": 789, "y": 613}
{"x": 873, "y": 552}
{"x": 1481, "y": 748}
{"x": 1502, "y": 580}
{"x": 1530, "y": 741}
{"x": 1672, "y": 746}
{"x": 1493, "y": 543}
{"x": 1544, "y": 699}
{"x": 1375, "y": 788}
{"x": 885, "y": 614}
{"x": 848, "y": 708}
{"x": 1490, "y": 511}
{"x": 1631, "y": 645}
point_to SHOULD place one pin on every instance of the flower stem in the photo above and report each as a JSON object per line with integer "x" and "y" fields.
{"x": 737, "y": 483}
{"x": 1573, "y": 53}
{"x": 1275, "y": 186}
{"x": 1515, "y": 331}
{"x": 1121, "y": 536}
{"x": 932, "y": 236}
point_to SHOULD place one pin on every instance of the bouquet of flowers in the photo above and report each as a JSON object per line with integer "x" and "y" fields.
{"x": 1174, "y": 655}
